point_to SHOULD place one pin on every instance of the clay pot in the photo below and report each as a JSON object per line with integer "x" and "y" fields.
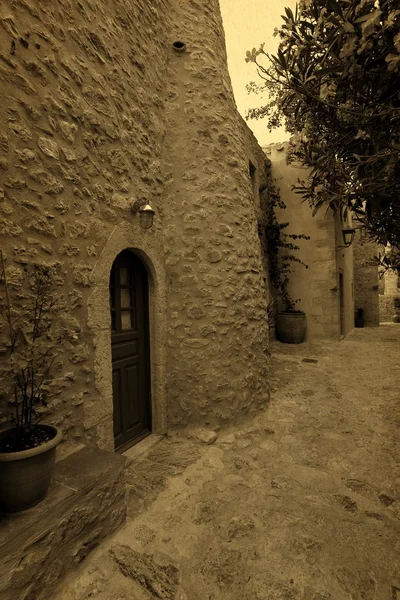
{"x": 25, "y": 476}
{"x": 396, "y": 317}
{"x": 291, "y": 327}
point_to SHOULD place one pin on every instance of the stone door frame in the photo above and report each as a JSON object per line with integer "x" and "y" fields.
{"x": 98, "y": 411}
{"x": 130, "y": 350}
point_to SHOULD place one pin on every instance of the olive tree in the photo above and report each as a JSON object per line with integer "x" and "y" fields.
{"x": 335, "y": 85}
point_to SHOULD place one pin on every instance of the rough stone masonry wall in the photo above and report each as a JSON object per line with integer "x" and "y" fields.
{"x": 390, "y": 291}
{"x": 366, "y": 279}
{"x": 217, "y": 337}
{"x": 81, "y": 138}
{"x": 89, "y": 91}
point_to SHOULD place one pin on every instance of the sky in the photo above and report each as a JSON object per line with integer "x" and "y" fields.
{"x": 247, "y": 28}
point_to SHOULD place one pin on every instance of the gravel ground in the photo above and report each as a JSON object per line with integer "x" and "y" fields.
{"x": 300, "y": 503}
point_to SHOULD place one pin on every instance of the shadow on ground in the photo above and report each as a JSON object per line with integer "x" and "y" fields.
{"x": 301, "y": 503}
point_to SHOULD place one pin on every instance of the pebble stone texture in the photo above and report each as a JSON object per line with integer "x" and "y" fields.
{"x": 217, "y": 303}
{"x": 299, "y": 503}
{"x": 97, "y": 111}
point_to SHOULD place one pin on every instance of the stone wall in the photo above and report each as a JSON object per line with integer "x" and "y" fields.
{"x": 386, "y": 308}
{"x": 392, "y": 283}
{"x": 389, "y": 291}
{"x": 366, "y": 279}
{"x": 316, "y": 287}
{"x": 97, "y": 111}
{"x": 82, "y": 132}
{"x": 217, "y": 333}
{"x": 344, "y": 271}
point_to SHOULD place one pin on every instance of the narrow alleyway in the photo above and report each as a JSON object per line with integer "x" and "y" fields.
{"x": 300, "y": 503}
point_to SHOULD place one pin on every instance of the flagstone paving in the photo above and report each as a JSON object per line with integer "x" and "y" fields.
{"x": 301, "y": 502}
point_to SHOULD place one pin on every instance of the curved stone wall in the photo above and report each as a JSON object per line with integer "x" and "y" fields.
{"x": 217, "y": 329}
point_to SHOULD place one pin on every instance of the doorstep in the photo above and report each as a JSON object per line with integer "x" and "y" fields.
{"x": 140, "y": 450}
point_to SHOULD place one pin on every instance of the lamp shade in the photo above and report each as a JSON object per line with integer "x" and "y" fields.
{"x": 146, "y": 216}
{"x": 348, "y": 236}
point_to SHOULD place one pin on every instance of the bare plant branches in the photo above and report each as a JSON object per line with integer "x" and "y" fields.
{"x": 33, "y": 341}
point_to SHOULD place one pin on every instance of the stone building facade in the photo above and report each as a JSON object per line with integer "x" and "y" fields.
{"x": 366, "y": 279}
{"x": 99, "y": 109}
{"x": 326, "y": 288}
{"x": 389, "y": 292}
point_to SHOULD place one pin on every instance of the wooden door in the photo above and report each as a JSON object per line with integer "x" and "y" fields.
{"x": 130, "y": 350}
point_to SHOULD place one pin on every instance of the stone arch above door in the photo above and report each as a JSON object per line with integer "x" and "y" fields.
{"x": 98, "y": 412}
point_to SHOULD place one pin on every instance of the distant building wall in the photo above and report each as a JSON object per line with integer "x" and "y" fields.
{"x": 388, "y": 292}
{"x": 386, "y": 308}
{"x": 366, "y": 279}
{"x": 392, "y": 281}
{"x": 318, "y": 286}
{"x": 344, "y": 275}
{"x": 261, "y": 182}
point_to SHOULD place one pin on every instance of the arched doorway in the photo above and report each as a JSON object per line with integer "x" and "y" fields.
{"x": 130, "y": 350}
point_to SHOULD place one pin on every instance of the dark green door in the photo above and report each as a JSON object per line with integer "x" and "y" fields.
{"x": 130, "y": 350}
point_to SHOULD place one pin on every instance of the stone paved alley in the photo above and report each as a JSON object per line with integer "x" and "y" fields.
{"x": 300, "y": 503}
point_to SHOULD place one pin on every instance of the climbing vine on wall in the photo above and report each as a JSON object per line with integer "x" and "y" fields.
{"x": 280, "y": 248}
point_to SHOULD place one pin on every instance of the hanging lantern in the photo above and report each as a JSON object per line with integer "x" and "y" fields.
{"x": 348, "y": 236}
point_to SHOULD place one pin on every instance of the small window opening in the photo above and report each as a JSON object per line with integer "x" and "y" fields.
{"x": 179, "y": 46}
{"x": 252, "y": 173}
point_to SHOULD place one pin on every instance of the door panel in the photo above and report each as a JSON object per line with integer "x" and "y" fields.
{"x": 130, "y": 349}
{"x": 116, "y": 381}
{"x": 134, "y": 412}
{"x": 124, "y": 348}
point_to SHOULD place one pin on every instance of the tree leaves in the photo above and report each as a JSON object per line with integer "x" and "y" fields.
{"x": 369, "y": 16}
{"x": 335, "y": 83}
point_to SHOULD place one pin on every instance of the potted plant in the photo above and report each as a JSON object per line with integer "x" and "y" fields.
{"x": 396, "y": 316}
{"x": 291, "y": 323}
{"x": 30, "y": 344}
{"x": 359, "y": 319}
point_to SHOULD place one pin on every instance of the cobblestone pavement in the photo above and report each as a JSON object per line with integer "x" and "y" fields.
{"x": 300, "y": 503}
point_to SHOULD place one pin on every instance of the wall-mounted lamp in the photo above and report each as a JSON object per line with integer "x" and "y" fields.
{"x": 146, "y": 214}
{"x": 348, "y": 236}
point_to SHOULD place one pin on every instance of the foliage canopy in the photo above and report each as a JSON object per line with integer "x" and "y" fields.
{"x": 335, "y": 85}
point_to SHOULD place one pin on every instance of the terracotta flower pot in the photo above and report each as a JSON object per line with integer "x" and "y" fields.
{"x": 291, "y": 327}
{"x": 25, "y": 476}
